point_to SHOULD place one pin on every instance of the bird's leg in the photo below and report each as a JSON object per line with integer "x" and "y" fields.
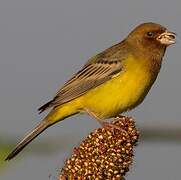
{"x": 102, "y": 121}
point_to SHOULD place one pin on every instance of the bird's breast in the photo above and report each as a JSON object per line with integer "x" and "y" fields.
{"x": 122, "y": 92}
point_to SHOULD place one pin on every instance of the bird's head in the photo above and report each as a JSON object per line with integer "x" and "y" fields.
{"x": 151, "y": 37}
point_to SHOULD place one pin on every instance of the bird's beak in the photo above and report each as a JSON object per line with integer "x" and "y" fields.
{"x": 167, "y": 38}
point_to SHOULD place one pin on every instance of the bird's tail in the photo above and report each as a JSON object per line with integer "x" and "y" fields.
{"x": 27, "y": 139}
{"x": 57, "y": 114}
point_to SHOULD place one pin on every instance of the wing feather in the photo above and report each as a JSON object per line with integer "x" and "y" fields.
{"x": 93, "y": 74}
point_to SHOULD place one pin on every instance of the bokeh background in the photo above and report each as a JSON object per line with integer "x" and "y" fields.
{"x": 42, "y": 43}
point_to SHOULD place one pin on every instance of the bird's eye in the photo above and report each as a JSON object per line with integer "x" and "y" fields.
{"x": 149, "y": 34}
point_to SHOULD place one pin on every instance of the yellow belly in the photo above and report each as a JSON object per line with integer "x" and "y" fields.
{"x": 121, "y": 93}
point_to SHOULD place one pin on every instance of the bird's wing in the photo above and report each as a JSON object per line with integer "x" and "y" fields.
{"x": 93, "y": 74}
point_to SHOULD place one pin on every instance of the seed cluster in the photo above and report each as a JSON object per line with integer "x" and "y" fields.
{"x": 105, "y": 154}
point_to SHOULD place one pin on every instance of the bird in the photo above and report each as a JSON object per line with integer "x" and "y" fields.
{"x": 111, "y": 82}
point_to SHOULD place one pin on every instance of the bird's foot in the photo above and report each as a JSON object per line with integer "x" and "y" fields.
{"x": 112, "y": 127}
{"x": 105, "y": 124}
{"x": 120, "y": 117}
{"x": 109, "y": 125}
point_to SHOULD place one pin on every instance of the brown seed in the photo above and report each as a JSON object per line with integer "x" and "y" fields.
{"x": 104, "y": 154}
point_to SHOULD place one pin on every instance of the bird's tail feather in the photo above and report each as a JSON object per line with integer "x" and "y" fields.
{"x": 27, "y": 139}
{"x": 57, "y": 114}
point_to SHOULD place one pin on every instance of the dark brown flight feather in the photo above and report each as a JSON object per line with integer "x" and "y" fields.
{"x": 90, "y": 76}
